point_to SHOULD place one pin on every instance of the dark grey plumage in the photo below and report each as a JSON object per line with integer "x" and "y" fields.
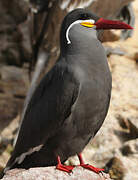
{"x": 70, "y": 103}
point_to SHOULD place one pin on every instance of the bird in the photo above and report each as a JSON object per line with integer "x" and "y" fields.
{"x": 71, "y": 102}
{"x": 45, "y": 19}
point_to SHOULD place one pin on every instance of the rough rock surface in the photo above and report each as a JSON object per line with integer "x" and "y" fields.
{"x": 50, "y": 173}
{"x": 115, "y": 146}
{"x": 13, "y": 88}
{"x": 11, "y": 15}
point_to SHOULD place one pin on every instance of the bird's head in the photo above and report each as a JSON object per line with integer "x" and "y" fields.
{"x": 86, "y": 20}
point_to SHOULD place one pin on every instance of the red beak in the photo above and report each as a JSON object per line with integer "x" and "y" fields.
{"x": 109, "y": 24}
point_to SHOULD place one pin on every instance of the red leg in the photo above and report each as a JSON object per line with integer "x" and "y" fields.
{"x": 87, "y": 166}
{"x": 62, "y": 167}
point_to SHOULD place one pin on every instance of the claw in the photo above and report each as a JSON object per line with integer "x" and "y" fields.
{"x": 87, "y": 166}
{"x": 65, "y": 168}
{"x": 62, "y": 167}
{"x": 92, "y": 168}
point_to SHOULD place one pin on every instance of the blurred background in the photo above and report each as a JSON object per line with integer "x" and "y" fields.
{"x": 29, "y": 47}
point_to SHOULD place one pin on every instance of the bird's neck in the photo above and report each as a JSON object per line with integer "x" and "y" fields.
{"x": 90, "y": 53}
{"x": 86, "y": 48}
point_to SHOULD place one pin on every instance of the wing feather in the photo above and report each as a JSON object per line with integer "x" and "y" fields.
{"x": 48, "y": 109}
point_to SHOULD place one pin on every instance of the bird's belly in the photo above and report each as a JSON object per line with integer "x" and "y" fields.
{"x": 88, "y": 114}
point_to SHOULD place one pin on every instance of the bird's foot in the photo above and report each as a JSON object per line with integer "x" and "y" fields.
{"x": 65, "y": 168}
{"x": 87, "y": 166}
{"x": 92, "y": 168}
{"x": 62, "y": 167}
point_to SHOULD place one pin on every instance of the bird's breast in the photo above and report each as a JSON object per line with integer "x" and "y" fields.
{"x": 91, "y": 105}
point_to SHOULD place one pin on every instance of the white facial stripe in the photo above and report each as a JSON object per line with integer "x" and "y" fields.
{"x": 76, "y": 22}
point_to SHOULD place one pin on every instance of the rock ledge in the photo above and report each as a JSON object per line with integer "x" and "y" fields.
{"x": 50, "y": 173}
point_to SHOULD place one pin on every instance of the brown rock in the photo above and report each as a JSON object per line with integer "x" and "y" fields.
{"x": 122, "y": 121}
{"x": 13, "y": 81}
{"x": 130, "y": 125}
{"x": 17, "y": 9}
{"x": 130, "y": 147}
{"x": 133, "y": 128}
{"x": 136, "y": 57}
{"x": 50, "y": 173}
{"x": 10, "y": 37}
{"x": 13, "y": 88}
{"x": 117, "y": 170}
{"x": 8, "y": 110}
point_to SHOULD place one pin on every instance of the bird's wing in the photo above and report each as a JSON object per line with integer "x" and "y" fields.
{"x": 49, "y": 107}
